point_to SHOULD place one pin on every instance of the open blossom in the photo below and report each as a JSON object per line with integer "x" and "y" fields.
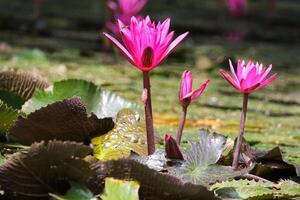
{"x": 123, "y": 10}
{"x": 186, "y": 93}
{"x": 249, "y": 77}
{"x": 237, "y": 7}
{"x": 146, "y": 44}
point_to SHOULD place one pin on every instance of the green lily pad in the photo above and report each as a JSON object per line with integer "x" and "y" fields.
{"x": 250, "y": 189}
{"x": 2, "y": 159}
{"x": 128, "y": 135}
{"x": 200, "y": 166}
{"x": 8, "y": 116}
{"x": 77, "y": 192}
{"x": 120, "y": 190}
{"x": 243, "y": 189}
{"x": 11, "y": 99}
{"x": 101, "y": 103}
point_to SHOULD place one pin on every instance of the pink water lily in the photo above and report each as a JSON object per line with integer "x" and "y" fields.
{"x": 186, "y": 92}
{"x": 146, "y": 44}
{"x": 123, "y": 10}
{"x": 186, "y": 96}
{"x": 237, "y": 7}
{"x": 249, "y": 77}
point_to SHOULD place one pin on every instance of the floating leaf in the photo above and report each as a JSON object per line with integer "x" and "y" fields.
{"x": 101, "y": 103}
{"x": 77, "y": 192}
{"x": 153, "y": 184}
{"x": 2, "y": 159}
{"x": 250, "y": 189}
{"x": 289, "y": 188}
{"x": 46, "y": 168}
{"x": 273, "y": 166}
{"x": 128, "y": 135}
{"x": 156, "y": 161}
{"x": 120, "y": 190}
{"x": 200, "y": 166}
{"x": 11, "y": 99}
{"x": 243, "y": 189}
{"x": 63, "y": 120}
{"x": 8, "y": 116}
{"x": 23, "y": 84}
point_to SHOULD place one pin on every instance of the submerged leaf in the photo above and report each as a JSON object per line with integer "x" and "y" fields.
{"x": 63, "y": 120}
{"x": 128, "y": 135}
{"x": 8, "y": 116}
{"x": 101, "y": 103}
{"x": 120, "y": 190}
{"x": 77, "y": 192}
{"x": 46, "y": 168}
{"x": 153, "y": 184}
{"x": 200, "y": 166}
{"x": 23, "y": 84}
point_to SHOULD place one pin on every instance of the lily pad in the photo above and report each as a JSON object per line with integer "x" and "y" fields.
{"x": 120, "y": 190}
{"x": 22, "y": 84}
{"x": 77, "y": 192}
{"x": 272, "y": 165}
{"x": 46, "y": 168}
{"x": 250, "y": 189}
{"x": 200, "y": 166}
{"x": 128, "y": 135}
{"x": 243, "y": 189}
{"x": 153, "y": 184}
{"x": 8, "y": 116}
{"x": 65, "y": 120}
{"x": 101, "y": 103}
{"x": 11, "y": 99}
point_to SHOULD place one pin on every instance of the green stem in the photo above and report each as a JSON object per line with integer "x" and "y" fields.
{"x": 237, "y": 150}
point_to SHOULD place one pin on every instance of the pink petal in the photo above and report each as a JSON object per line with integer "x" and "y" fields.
{"x": 120, "y": 46}
{"x": 265, "y": 74}
{"x": 267, "y": 81}
{"x": 229, "y": 79}
{"x": 251, "y": 89}
{"x": 112, "y": 5}
{"x": 250, "y": 78}
{"x": 233, "y": 71}
{"x": 185, "y": 84}
{"x": 200, "y": 90}
{"x": 172, "y": 46}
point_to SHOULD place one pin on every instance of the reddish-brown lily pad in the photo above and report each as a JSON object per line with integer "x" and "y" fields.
{"x": 23, "y": 84}
{"x": 65, "y": 120}
{"x": 153, "y": 185}
{"x": 43, "y": 169}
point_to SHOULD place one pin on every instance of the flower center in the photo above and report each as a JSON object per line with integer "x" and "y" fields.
{"x": 147, "y": 57}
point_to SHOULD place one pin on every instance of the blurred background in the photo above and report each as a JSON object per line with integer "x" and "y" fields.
{"x": 61, "y": 39}
{"x": 73, "y": 23}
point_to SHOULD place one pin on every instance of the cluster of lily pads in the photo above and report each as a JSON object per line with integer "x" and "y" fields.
{"x": 76, "y": 140}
